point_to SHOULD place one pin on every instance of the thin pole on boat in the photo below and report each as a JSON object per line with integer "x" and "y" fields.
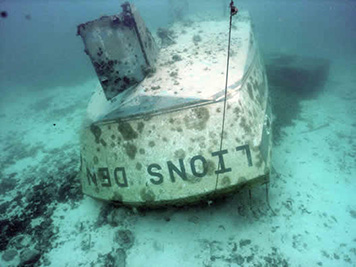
{"x": 233, "y": 11}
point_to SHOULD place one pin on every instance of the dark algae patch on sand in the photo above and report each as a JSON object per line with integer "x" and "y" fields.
{"x": 37, "y": 202}
{"x": 293, "y": 79}
{"x": 26, "y": 221}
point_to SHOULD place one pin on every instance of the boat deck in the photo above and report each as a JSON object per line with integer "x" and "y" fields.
{"x": 190, "y": 70}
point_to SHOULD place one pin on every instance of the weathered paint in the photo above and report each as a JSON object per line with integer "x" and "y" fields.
{"x": 121, "y": 49}
{"x": 172, "y": 156}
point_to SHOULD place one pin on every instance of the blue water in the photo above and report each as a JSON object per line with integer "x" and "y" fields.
{"x": 39, "y": 50}
{"x": 46, "y": 81}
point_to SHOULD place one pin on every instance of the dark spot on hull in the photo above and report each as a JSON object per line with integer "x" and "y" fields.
{"x": 225, "y": 181}
{"x": 127, "y": 132}
{"x": 96, "y": 131}
{"x": 211, "y": 167}
{"x": 245, "y": 126}
{"x": 140, "y": 126}
{"x": 180, "y": 154}
{"x": 131, "y": 150}
{"x": 151, "y": 144}
{"x": 138, "y": 166}
{"x": 197, "y": 119}
{"x": 147, "y": 195}
{"x": 102, "y": 141}
{"x": 250, "y": 91}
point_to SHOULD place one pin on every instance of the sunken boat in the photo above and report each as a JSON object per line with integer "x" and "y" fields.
{"x": 171, "y": 123}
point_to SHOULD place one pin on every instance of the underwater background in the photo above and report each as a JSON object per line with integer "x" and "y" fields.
{"x": 46, "y": 81}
